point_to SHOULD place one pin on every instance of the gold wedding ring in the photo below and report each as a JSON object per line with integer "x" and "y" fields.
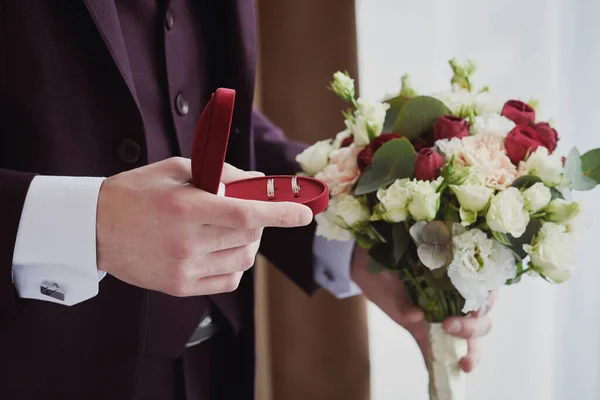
{"x": 271, "y": 188}
{"x": 295, "y": 187}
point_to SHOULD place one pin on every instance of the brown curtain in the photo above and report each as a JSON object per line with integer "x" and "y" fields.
{"x": 324, "y": 354}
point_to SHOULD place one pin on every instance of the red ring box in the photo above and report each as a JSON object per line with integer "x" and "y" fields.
{"x": 208, "y": 156}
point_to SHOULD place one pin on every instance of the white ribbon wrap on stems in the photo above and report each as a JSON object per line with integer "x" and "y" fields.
{"x": 446, "y": 379}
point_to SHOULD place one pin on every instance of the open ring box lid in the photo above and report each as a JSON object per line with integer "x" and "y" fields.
{"x": 208, "y": 156}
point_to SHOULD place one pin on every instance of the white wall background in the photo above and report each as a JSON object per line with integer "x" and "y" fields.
{"x": 545, "y": 344}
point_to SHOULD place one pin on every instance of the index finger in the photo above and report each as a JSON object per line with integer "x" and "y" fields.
{"x": 253, "y": 214}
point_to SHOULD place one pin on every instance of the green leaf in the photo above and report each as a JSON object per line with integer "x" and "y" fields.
{"x": 516, "y": 244}
{"x": 418, "y": 115}
{"x": 384, "y": 230}
{"x": 517, "y": 277}
{"x": 396, "y": 104}
{"x": 382, "y": 254}
{"x": 501, "y": 238}
{"x": 401, "y": 238}
{"x": 574, "y": 172}
{"x": 525, "y": 181}
{"x": 545, "y": 278}
{"x": 590, "y": 163}
{"x": 394, "y": 160}
{"x": 556, "y": 194}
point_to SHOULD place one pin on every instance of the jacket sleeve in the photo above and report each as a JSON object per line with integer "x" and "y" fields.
{"x": 13, "y": 191}
{"x": 310, "y": 263}
{"x": 290, "y": 250}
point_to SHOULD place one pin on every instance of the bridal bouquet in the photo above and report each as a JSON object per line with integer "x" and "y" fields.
{"x": 457, "y": 192}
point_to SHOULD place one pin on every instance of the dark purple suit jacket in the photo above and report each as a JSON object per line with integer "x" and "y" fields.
{"x": 67, "y": 100}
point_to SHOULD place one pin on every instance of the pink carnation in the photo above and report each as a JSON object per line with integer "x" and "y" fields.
{"x": 487, "y": 154}
{"x": 342, "y": 171}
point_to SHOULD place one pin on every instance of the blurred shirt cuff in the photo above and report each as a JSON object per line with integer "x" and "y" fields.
{"x": 332, "y": 267}
{"x": 56, "y": 240}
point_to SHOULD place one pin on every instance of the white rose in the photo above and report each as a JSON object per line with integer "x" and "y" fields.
{"x": 562, "y": 211}
{"x": 315, "y": 158}
{"x": 479, "y": 265}
{"x": 448, "y": 147}
{"x": 327, "y": 225}
{"x": 467, "y": 217}
{"x": 492, "y": 124}
{"x": 352, "y": 212}
{"x": 473, "y": 196}
{"x": 339, "y": 138}
{"x": 343, "y": 86}
{"x": 459, "y": 100}
{"x": 472, "y": 199}
{"x": 507, "y": 213}
{"x": 425, "y": 201}
{"x": 358, "y": 128}
{"x": 551, "y": 252}
{"x": 374, "y": 115}
{"x": 537, "y": 197}
{"x": 394, "y": 201}
{"x": 486, "y": 104}
{"x": 547, "y": 167}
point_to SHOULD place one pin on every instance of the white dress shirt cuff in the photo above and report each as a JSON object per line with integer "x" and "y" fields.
{"x": 56, "y": 240}
{"x": 332, "y": 267}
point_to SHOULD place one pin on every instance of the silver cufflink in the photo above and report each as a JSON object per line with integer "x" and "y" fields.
{"x": 51, "y": 289}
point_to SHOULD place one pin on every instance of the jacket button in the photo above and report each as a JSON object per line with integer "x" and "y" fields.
{"x": 129, "y": 151}
{"x": 169, "y": 20}
{"x": 182, "y": 105}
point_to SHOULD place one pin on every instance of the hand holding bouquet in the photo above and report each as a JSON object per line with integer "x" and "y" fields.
{"x": 457, "y": 192}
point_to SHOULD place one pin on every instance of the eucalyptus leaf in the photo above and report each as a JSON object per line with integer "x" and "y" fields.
{"x": 396, "y": 104}
{"x": 433, "y": 255}
{"x": 590, "y": 163}
{"x": 582, "y": 183}
{"x": 401, "y": 238}
{"x": 573, "y": 164}
{"x": 574, "y": 172}
{"x": 436, "y": 232}
{"x": 394, "y": 160}
{"x": 416, "y": 232}
{"x": 525, "y": 181}
{"x": 418, "y": 115}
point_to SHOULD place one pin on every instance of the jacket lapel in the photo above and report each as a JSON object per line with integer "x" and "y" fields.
{"x": 104, "y": 14}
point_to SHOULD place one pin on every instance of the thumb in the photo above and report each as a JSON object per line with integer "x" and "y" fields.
{"x": 231, "y": 174}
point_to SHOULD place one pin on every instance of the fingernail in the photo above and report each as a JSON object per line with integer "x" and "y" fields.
{"x": 454, "y": 327}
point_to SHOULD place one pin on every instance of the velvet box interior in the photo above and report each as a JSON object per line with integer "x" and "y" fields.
{"x": 208, "y": 156}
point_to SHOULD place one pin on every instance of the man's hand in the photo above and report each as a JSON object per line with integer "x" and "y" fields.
{"x": 387, "y": 292}
{"x": 156, "y": 231}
